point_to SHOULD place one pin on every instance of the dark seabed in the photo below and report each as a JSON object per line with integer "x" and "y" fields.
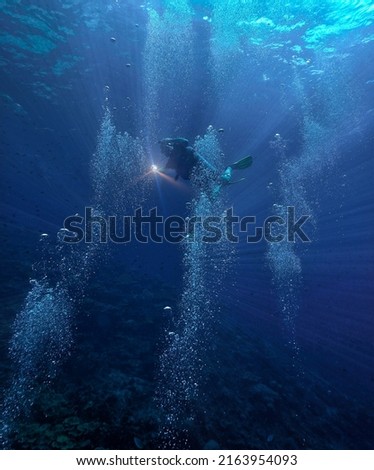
{"x": 189, "y": 345}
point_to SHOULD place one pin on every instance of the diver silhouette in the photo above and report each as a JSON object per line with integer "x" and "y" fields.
{"x": 184, "y": 159}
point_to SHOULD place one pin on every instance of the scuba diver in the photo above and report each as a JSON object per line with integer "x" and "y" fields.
{"x": 184, "y": 159}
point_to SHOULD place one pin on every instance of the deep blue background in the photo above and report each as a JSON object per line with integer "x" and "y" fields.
{"x": 47, "y": 144}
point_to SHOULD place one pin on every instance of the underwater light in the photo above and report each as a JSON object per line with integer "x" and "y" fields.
{"x": 154, "y": 168}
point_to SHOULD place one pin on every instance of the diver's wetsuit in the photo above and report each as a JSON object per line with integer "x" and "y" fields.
{"x": 182, "y": 157}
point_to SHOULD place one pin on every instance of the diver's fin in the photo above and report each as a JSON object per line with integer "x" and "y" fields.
{"x": 242, "y": 164}
{"x": 237, "y": 181}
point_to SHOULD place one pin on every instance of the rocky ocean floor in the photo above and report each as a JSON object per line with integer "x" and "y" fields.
{"x": 103, "y": 397}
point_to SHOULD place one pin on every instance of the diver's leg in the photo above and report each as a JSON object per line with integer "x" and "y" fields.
{"x": 223, "y": 180}
{"x": 226, "y": 176}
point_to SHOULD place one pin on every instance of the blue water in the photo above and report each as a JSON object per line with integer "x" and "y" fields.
{"x": 263, "y": 345}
